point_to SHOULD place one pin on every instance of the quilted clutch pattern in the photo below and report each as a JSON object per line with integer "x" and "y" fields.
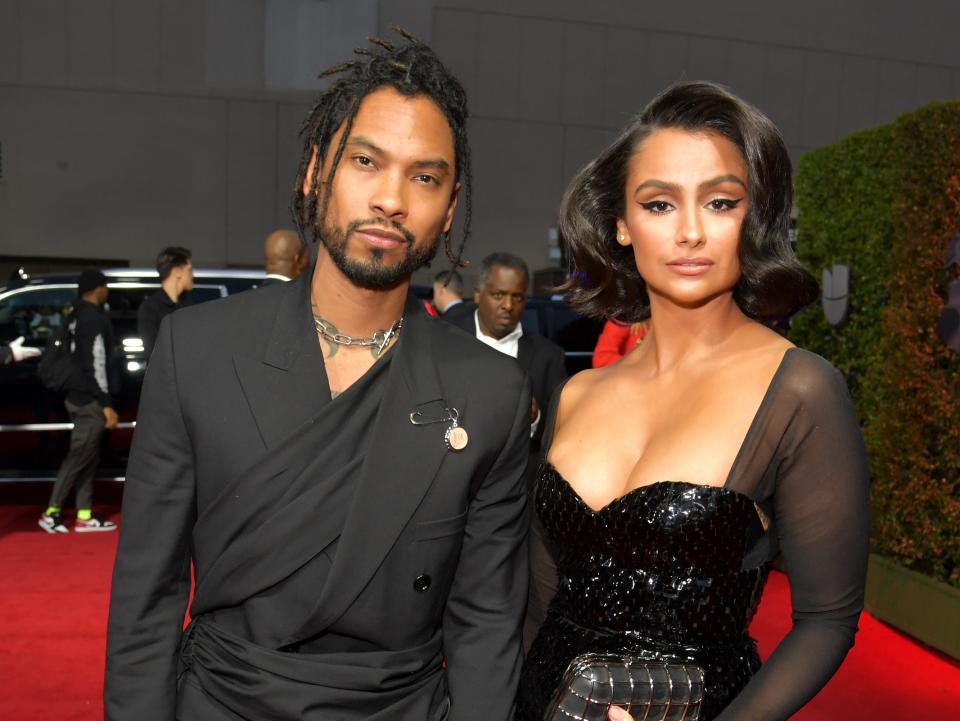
{"x": 649, "y": 690}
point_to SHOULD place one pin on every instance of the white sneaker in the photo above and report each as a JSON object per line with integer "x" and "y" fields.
{"x": 94, "y": 525}
{"x": 52, "y": 523}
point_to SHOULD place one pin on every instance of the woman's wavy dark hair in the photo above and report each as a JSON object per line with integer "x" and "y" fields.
{"x": 604, "y": 281}
{"x": 410, "y": 68}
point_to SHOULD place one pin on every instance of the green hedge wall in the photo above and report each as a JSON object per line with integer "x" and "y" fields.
{"x": 885, "y": 202}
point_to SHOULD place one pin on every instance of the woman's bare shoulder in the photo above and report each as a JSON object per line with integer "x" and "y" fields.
{"x": 754, "y": 352}
{"x": 757, "y": 337}
{"x": 579, "y": 388}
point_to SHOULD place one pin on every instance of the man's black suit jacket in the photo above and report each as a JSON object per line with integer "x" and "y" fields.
{"x": 458, "y": 313}
{"x": 543, "y": 361}
{"x": 228, "y": 383}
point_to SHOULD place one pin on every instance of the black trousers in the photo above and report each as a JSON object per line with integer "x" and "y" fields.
{"x": 80, "y": 466}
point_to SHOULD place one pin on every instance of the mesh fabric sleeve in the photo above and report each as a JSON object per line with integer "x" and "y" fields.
{"x": 819, "y": 500}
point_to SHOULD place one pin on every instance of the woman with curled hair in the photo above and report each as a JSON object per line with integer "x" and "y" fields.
{"x": 671, "y": 479}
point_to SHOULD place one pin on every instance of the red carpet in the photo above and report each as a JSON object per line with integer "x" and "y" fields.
{"x": 53, "y": 606}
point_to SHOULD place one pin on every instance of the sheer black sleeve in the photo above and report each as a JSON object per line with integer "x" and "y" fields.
{"x": 817, "y": 485}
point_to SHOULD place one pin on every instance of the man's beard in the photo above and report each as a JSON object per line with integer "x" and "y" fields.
{"x": 372, "y": 273}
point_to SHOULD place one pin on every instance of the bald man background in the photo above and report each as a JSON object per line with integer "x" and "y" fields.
{"x": 285, "y": 255}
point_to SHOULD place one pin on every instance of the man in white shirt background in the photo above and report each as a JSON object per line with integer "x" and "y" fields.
{"x": 500, "y": 297}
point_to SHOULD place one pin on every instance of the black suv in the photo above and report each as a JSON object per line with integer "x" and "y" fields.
{"x": 34, "y": 428}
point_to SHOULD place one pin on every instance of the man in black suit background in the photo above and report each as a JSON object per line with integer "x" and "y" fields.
{"x": 285, "y": 256}
{"x": 499, "y": 300}
{"x": 448, "y": 296}
{"x": 329, "y": 458}
{"x": 175, "y": 268}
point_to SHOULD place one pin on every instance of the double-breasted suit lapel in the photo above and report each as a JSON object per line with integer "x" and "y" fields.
{"x": 240, "y": 547}
{"x": 288, "y": 384}
{"x": 233, "y": 469}
{"x": 288, "y": 387}
{"x": 401, "y": 464}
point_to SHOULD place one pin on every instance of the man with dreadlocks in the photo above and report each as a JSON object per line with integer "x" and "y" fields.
{"x": 329, "y": 459}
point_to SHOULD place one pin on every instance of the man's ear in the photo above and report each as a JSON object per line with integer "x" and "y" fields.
{"x": 309, "y": 174}
{"x": 476, "y": 296}
{"x": 454, "y": 197}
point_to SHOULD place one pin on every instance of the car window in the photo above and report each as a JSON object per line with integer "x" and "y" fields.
{"x": 35, "y": 313}
{"x": 125, "y": 298}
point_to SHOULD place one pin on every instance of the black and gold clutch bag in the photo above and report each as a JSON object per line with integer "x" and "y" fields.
{"x": 649, "y": 690}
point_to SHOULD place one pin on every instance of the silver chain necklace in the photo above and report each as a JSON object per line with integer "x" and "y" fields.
{"x": 378, "y": 341}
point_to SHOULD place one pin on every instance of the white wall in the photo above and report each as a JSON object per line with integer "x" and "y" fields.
{"x": 131, "y": 124}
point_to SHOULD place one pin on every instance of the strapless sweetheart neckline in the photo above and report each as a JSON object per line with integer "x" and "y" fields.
{"x": 633, "y": 491}
{"x": 752, "y": 430}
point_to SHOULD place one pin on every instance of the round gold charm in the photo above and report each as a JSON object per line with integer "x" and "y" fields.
{"x": 457, "y": 438}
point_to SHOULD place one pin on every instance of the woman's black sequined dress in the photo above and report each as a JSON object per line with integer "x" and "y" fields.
{"x": 674, "y": 570}
{"x": 657, "y": 574}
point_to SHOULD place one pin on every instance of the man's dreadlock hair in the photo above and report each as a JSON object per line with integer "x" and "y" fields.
{"x": 410, "y": 69}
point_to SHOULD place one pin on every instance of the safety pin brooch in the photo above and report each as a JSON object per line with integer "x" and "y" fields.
{"x": 456, "y": 436}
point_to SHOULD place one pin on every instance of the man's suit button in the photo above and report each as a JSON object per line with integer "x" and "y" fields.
{"x": 421, "y": 583}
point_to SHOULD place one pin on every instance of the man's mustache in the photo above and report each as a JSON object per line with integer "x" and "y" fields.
{"x": 384, "y": 223}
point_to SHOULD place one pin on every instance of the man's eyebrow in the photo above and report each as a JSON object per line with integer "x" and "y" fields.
{"x": 664, "y": 185}
{"x": 364, "y": 142}
{"x": 437, "y": 163}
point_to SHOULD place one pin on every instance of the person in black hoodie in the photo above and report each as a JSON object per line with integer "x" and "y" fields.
{"x": 89, "y": 406}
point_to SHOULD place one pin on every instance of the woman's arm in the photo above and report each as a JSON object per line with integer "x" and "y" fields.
{"x": 820, "y": 505}
{"x": 821, "y": 517}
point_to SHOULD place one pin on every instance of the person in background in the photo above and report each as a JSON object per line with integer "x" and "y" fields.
{"x": 616, "y": 340}
{"x": 176, "y": 278}
{"x": 89, "y": 407}
{"x": 44, "y": 322}
{"x": 286, "y": 256}
{"x": 499, "y": 298}
{"x": 16, "y": 351}
{"x": 447, "y": 291}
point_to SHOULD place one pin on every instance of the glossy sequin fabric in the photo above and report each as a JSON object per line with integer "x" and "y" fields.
{"x": 656, "y": 573}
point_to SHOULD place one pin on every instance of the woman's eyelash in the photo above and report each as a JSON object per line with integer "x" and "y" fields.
{"x": 718, "y": 205}
{"x": 656, "y": 206}
{"x": 725, "y": 204}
